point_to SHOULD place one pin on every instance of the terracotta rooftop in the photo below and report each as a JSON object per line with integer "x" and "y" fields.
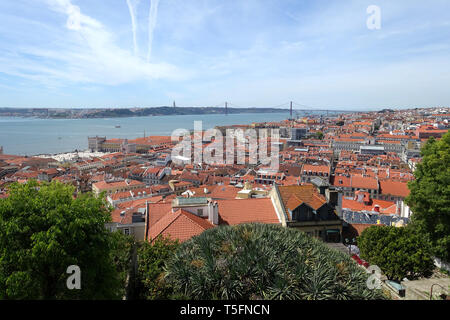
{"x": 151, "y": 140}
{"x": 293, "y": 196}
{"x": 181, "y": 225}
{"x": 232, "y": 212}
{"x": 316, "y": 168}
{"x": 104, "y": 185}
{"x": 216, "y": 191}
{"x": 157, "y": 210}
{"x": 395, "y": 188}
{"x": 386, "y": 207}
{"x": 358, "y": 181}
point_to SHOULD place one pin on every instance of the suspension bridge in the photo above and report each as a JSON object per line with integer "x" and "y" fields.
{"x": 294, "y": 107}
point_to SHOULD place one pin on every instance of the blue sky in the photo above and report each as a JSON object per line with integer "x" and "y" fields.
{"x": 94, "y": 53}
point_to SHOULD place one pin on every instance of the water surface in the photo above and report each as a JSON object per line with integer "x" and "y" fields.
{"x": 31, "y": 136}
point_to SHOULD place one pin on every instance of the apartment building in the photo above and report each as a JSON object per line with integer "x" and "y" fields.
{"x": 303, "y": 208}
{"x": 113, "y": 186}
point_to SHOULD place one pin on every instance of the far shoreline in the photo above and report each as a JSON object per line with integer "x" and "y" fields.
{"x": 39, "y": 113}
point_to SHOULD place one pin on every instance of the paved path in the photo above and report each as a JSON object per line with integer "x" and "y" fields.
{"x": 338, "y": 246}
{"x": 420, "y": 289}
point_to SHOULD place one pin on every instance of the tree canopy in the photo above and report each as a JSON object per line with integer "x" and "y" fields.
{"x": 152, "y": 256}
{"x": 429, "y": 199}
{"x": 399, "y": 252}
{"x": 259, "y": 261}
{"x": 44, "y": 229}
{"x": 319, "y": 135}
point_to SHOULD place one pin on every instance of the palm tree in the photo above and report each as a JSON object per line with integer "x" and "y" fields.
{"x": 261, "y": 261}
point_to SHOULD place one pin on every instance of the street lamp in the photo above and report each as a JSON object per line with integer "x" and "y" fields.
{"x": 443, "y": 296}
{"x": 348, "y": 245}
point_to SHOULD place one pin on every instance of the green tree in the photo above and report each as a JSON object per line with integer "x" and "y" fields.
{"x": 122, "y": 248}
{"x": 44, "y": 230}
{"x": 319, "y": 135}
{"x": 399, "y": 252}
{"x": 261, "y": 261}
{"x": 151, "y": 258}
{"x": 429, "y": 199}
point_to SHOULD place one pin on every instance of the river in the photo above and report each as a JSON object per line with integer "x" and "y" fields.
{"x": 32, "y": 136}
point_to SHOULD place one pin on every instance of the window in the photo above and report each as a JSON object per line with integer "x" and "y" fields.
{"x": 126, "y": 231}
{"x": 199, "y": 212}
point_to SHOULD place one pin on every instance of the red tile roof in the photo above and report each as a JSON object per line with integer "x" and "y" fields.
{"x": 232, "y": 212}
{"x": 216, "y": 191}
{"x": 104, "y": 185}
{"x": 293, "y": 196}
{"x": 157, "y": 210}
{"x": 395, "y": 188}
{"x": 358, "y": 181}
{"x": 386, "y": 207}
{"x": 316, "y": 168}
{"x": 124, "y": 215}
{"x": 181, "y": 225}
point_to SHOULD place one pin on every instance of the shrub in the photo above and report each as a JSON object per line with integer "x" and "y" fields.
{"x": 44, "y": 230}
{"x": 259, "y": 261}
{"x": 430, "y": 195}
{"x": 399, "y": 252}
{"x": 150, "y": 277}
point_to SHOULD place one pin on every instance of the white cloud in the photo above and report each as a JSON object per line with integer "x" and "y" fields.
{"x": 206, "y": 51}
{"x": 90, "y": 54}
{"x": 409, "y": 83}
{"x": 132, "y": 7}
{"x": 152, "y": 19}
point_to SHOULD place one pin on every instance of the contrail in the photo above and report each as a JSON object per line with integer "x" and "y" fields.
{"x": 151, "y": 25}
{"x": 132, "y": 7}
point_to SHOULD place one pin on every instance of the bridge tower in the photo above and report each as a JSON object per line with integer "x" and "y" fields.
{"x": 290, "y": 110}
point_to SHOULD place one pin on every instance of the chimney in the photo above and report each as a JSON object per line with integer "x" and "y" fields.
{"x": 359, "y": 196}
{"x": 213, "y": 212}
{"x": 331, "y": 196}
